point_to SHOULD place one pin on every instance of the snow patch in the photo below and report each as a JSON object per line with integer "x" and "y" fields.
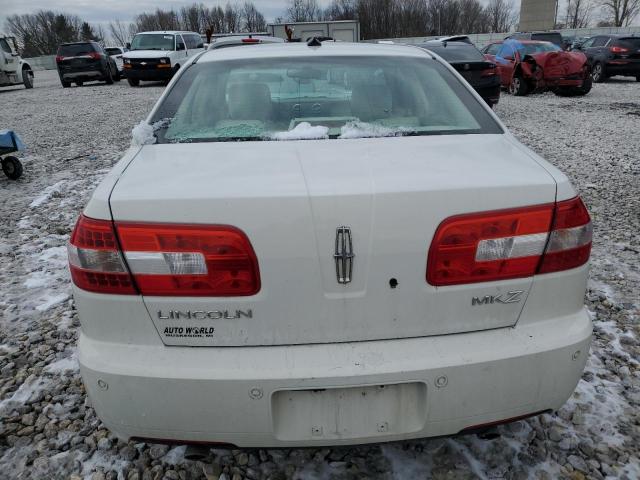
{"x": 144, "y": 134}
{"x": 302, "y": 131}
{"x": 368, "y": 130}
{"x": 29, "y": 389}
{"x": 67, "y": 364}
{"x": 51, "y": 301}
{"x": 46, "y": 194}
{"x": 104, "y": 461}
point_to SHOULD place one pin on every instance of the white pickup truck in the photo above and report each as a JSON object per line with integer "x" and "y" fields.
{"x": 13, "y": 69}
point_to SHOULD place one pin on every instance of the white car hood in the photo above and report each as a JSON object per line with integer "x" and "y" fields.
{"x": 147, "y": 54}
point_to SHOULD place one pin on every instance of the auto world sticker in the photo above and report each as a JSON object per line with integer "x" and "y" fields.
{"x": 188, "y": 332}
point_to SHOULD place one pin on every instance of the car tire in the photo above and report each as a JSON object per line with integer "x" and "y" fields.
{"x": 118, "y": 77}
{"x": 518, "y": 86}
{"x": 27, "y": 77}
{"x": 108, "y": 76}
{"x": 597, "y": 73}
{"x": 79, "y": 83}
{"x": 134, "y": 82}
{"x": 586, "y": 86}
{"x": 12, "y": 167}
{"x": 638, "y": 78}
{"x": 65, "y": 84}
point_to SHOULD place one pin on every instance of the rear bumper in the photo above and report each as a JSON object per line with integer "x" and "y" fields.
{"x": 490, "y": 94}
{"x": 80, "y": 75}
{"x": 263, "y": 396}
{"x": 629, "y": 67}
{"x": 152, "y": 75}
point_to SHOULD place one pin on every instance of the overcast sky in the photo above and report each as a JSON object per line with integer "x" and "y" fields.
{"x": 100, "y": 11}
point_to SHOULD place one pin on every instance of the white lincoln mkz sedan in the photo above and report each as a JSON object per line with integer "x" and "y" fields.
{"x": 328, "y": 244}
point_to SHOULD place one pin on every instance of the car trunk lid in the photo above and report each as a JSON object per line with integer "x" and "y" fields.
{"x": 290, "y": 198}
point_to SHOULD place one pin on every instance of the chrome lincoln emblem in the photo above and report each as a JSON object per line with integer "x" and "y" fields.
{"x": 344, "y": 255}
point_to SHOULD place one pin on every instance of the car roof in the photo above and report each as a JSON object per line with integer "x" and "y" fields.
{"x": 81, "y": 42}
{"x": 301, "y": 49}
{"x": 240, "y": 39}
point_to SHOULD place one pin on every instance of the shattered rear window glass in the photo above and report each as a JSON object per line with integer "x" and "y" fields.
{"x": 322, "y": 97}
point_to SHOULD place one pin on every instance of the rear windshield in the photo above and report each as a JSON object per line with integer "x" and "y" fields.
{"x": 631, "y": 42}
{"x": 456, "y": 53}
{"x": 75, "y": 49}
{"x": 547, "y": 37}
{"x": 153, "y": 41}
{"x": 322, "y": 97}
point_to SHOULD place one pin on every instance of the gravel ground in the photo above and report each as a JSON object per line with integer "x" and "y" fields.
{"x": 49, "y": 430}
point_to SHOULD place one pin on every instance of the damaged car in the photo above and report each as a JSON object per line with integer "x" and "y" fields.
{"x": 534, "y": 66}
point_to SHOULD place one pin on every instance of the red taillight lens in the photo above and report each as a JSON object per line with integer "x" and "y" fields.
{"x": 250, "y": 40}
{"x": 617, "y": 49}
{"x": 95, "y": 55}
{"x": 570, "y": 239}
{"x": 496, "y": 245}
{"x": 488, "y": 72}
{"x": 190, "y": 260}
{"x": 95, "y": 261}
{"x": 59, "y": 58}
{"x": 514, "y": 243}
{"x": 162, "y": 259}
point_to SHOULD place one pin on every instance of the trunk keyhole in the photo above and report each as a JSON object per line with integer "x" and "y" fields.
{"x": 393, "y": 283}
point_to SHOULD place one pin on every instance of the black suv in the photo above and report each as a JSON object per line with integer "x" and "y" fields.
{"x": 481, "y": 74}
{"x": 553, "y": 37}
{"x": 610, "y": 55}
{"x": 81, "y": 62}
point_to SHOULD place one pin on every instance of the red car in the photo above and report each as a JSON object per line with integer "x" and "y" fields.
{"x": 532, "y": 66}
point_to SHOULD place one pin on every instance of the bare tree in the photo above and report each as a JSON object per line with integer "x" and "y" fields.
{"x": 500, "y": 15}
{"x": 472, "y": 18}
{"x": 303, "y": 11}
{"x": 120, "y": 33}
{"x": 578, "y": 13}
{"x": 621, "y": 12}
{"x": 341, "y": 10}
{"x": 40, "y": 33}
{"x": 252, "y": 20}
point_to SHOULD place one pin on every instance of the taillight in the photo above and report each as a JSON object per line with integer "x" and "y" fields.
{"x": 189, "y": 260}
{"x": 95, "y": 260}
{"x": 618, "y": 49}
{"x": 59, "y": 58}
{"x": 570, "y": 239}
{"x": 513, "y": 243}
{"x": 95, "y": 55}
{"x": 250, "y": 40}
{"x": 488, "y": 72}
{"x": 162, "y": 259}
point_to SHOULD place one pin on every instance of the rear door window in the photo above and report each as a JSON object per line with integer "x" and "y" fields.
{"x": 180, "y": 45}
{"x": 588, "y": 43}
{"x": 493, "y": 48}
{"x": 600, "y": 41}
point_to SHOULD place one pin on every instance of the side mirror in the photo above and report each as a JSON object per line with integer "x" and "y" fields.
{"x": 127, "y": 45}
